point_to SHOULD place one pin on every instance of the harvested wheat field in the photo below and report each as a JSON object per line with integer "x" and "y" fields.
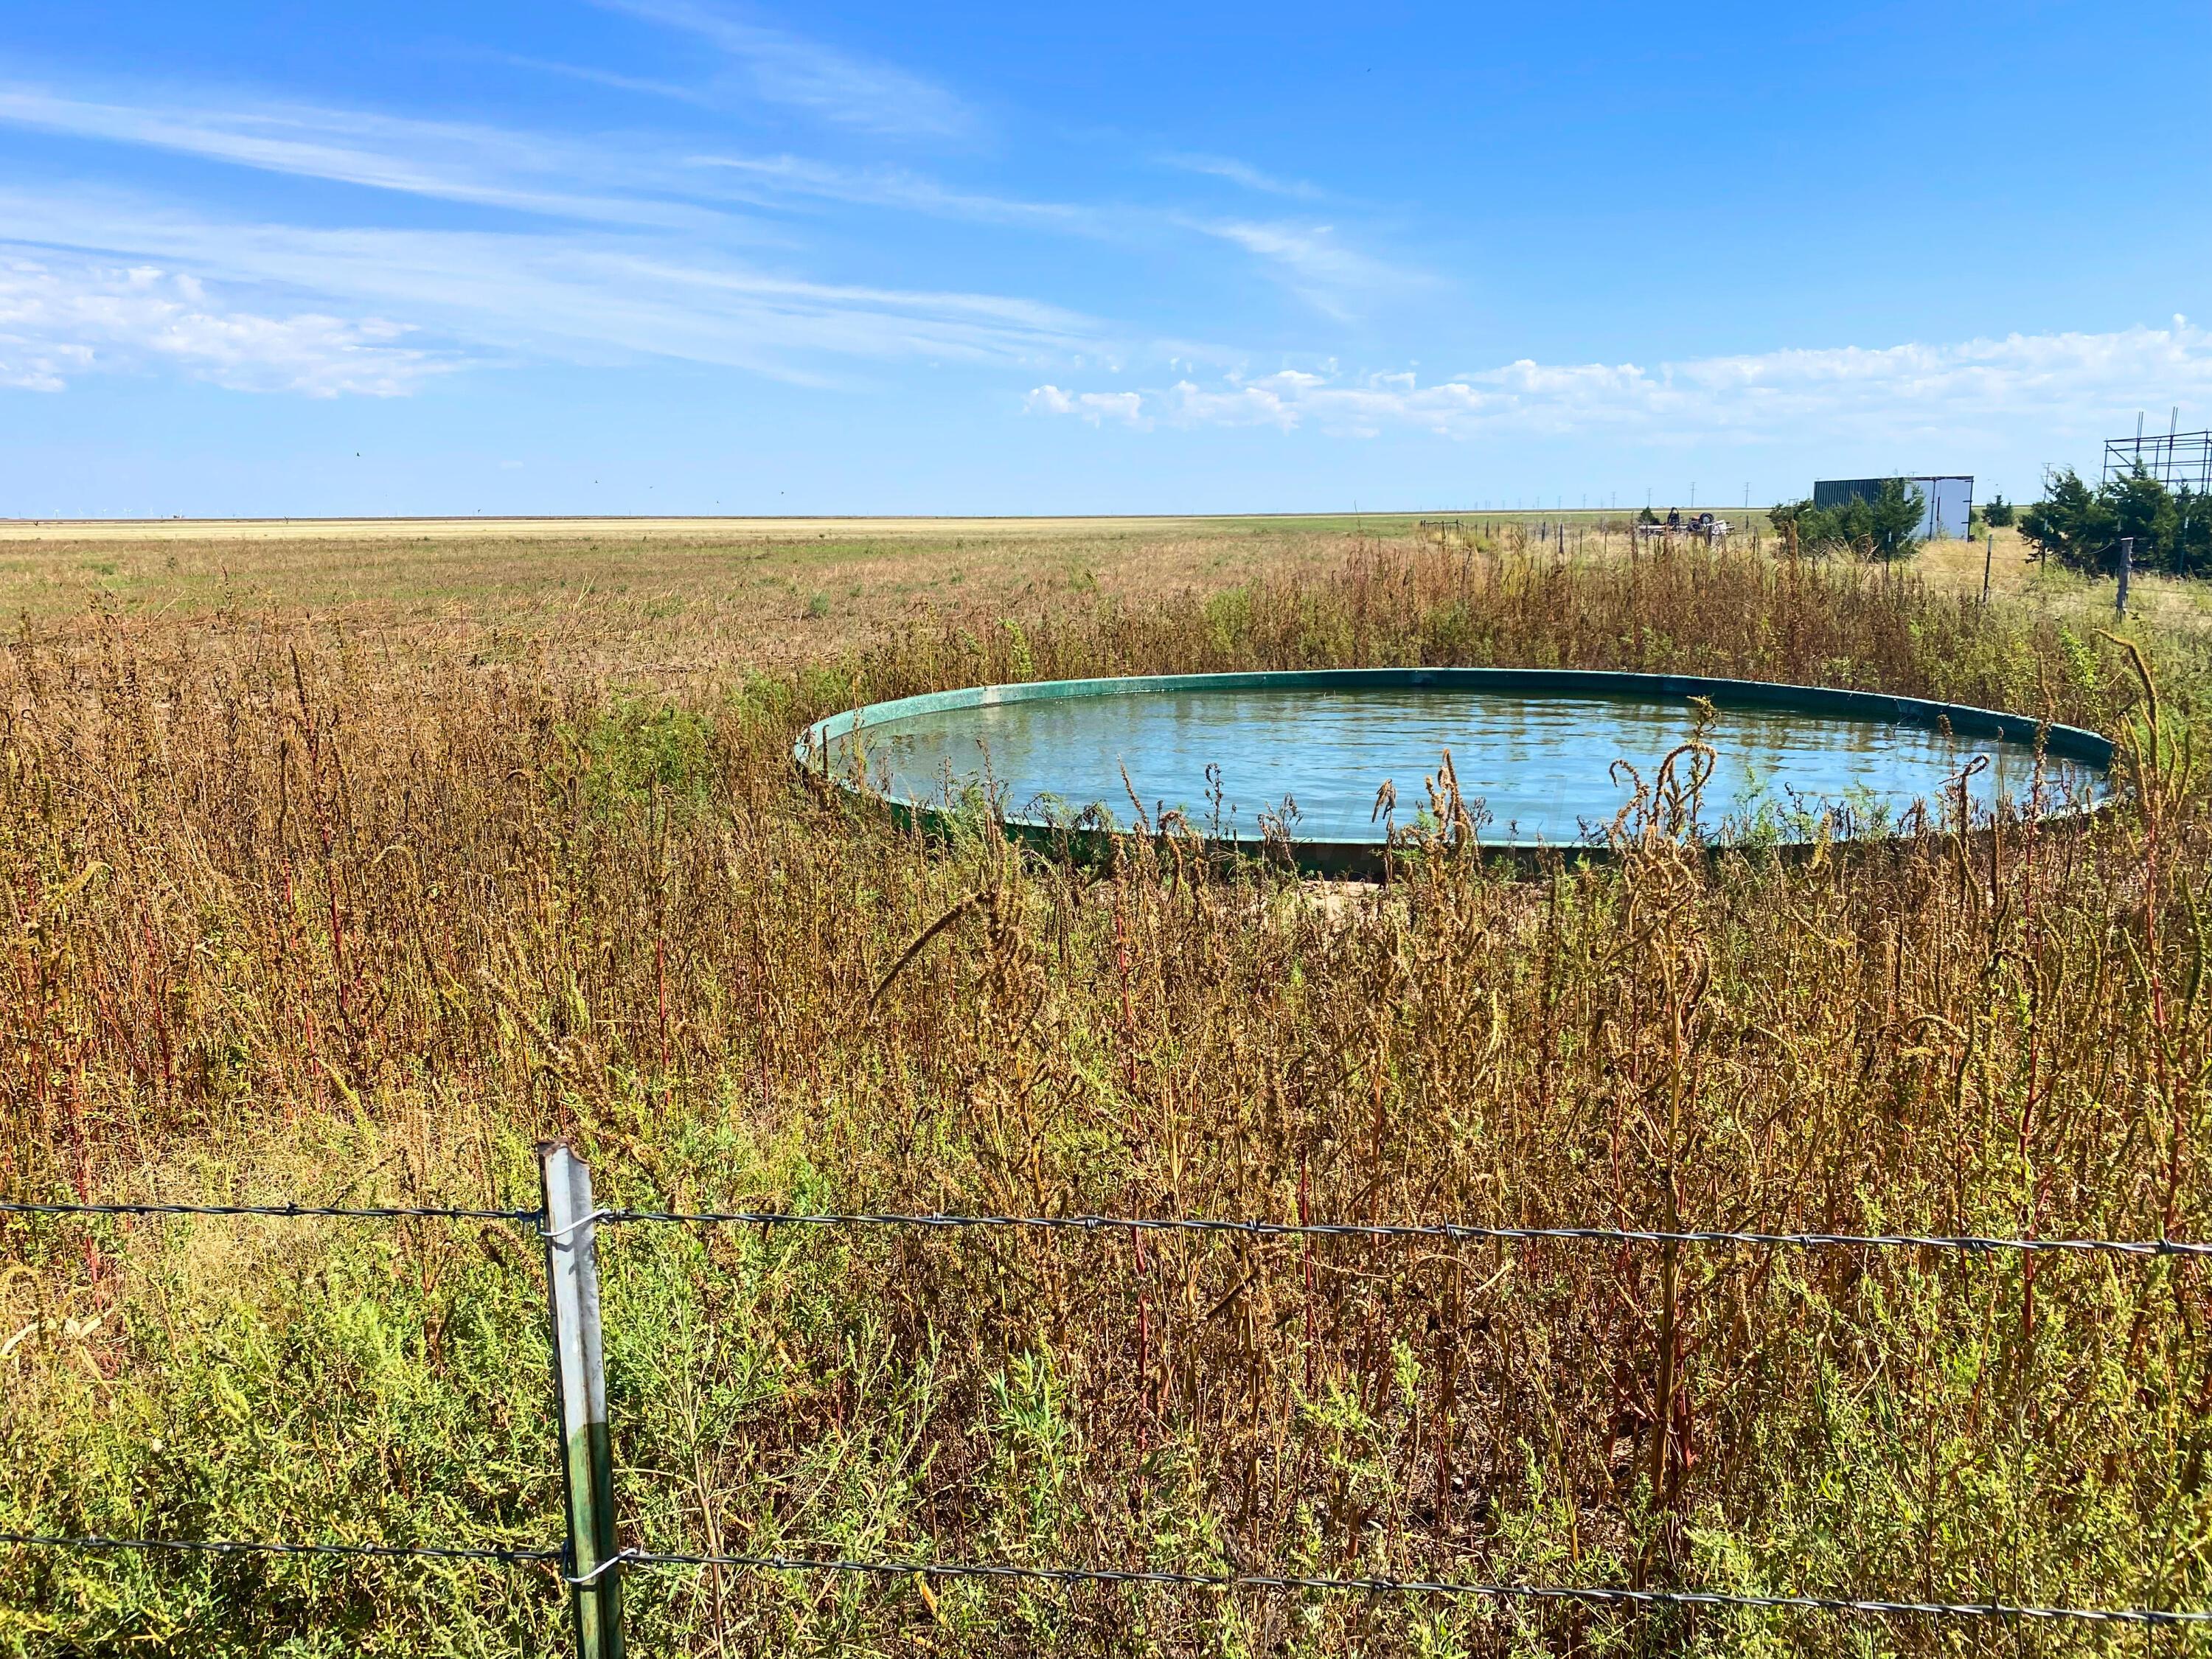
{"x": 342, "y": 867}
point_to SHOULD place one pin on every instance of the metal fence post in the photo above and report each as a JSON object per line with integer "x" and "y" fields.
{"x": 572, "y": 1285}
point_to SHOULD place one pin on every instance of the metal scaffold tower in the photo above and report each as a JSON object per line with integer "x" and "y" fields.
{"x": 2176, "y": 459}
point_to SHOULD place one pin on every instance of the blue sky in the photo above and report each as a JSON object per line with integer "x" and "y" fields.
{"x": 689, "y": 256}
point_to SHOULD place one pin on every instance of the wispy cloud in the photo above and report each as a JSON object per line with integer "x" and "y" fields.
{"x": 1242, "y": 173}
{"x": 790, "y": 69}
{"x": 486, "y": 166}
{"x": 594, "y": 202}
{"x": 612, "y": 180}
{"x": 573, "y": 296}
{"x": 774, "y": 177}
{"x": 645, "y": 86}
{"x": 60, "y": 319}
{"x": 624, "y": 250}
{"x": 1899, "y": 391}
{"x": 1314, "y": 263}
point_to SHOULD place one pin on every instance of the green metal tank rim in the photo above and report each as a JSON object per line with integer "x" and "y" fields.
{"x": 2070, "y": 743}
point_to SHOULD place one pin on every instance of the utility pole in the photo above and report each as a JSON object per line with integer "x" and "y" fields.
{"x": 572, "y": 1290}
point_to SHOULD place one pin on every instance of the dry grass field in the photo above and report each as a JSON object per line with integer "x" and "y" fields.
{"x": 762, "y": 591}
{"x": 688, "y": 592}
{"x": 342, "y": 865}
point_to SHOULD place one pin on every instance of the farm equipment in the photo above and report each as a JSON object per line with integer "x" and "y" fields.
{"x": 1700, "y": 526}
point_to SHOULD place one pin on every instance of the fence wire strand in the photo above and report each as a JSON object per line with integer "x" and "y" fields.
{"x": 1595, "y": 1594}
{"x": 256, "y": 1546}
{"x": 1454, "y": 1232}
{"x": 382, "y": 1212}
{"x": 1502, "y": 1592}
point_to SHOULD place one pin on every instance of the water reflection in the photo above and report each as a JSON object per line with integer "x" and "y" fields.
{"x": 1542, "y": 766}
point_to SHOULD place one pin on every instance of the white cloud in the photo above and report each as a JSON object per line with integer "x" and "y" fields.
{"x": 644, "y": 86}
{"x": 455, "y": 162}
{"x": 1094, "y": 407}
{"x": 1312, "y": 263}
{"x": 572, "y": 296}
{"x": 61, "y": 320}
{"x": 1900, "y": 391}
{"x": 776, "y": 177}
{"x": 627, "y": 251}
{"x": 834, "y": 86}
{"x": 611, "y": 179}
{"x": 1241, "y": 172}
{"x": 628, "y": 248}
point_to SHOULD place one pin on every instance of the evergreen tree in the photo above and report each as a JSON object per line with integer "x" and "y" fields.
{"x": 2141, "y": 507}
{"x": 2073, "y": 525}
{"x": 1891, "y": 528}
{"x": 1885, "y": 525}
{"x": 2081, "y": 527}
{"x": 2192, "y": 534}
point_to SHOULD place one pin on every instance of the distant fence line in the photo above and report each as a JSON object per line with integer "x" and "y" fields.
{"x": 1454, "y": 1232}
{"x": 590, "y": 1564}
{"x": 1460, "y": 1232}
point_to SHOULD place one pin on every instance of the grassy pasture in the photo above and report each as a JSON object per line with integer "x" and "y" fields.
{"x": 342, "y": 868}
{"x": 791, "y": 590}
{"x": 732, "y": 591}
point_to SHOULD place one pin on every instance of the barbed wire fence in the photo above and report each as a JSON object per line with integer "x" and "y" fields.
{"x": 591, "y": 1560}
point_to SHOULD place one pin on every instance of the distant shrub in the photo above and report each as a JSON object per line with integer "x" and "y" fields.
{"x": 1884, "y": 526}
{"x": 2082, "y": 528}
